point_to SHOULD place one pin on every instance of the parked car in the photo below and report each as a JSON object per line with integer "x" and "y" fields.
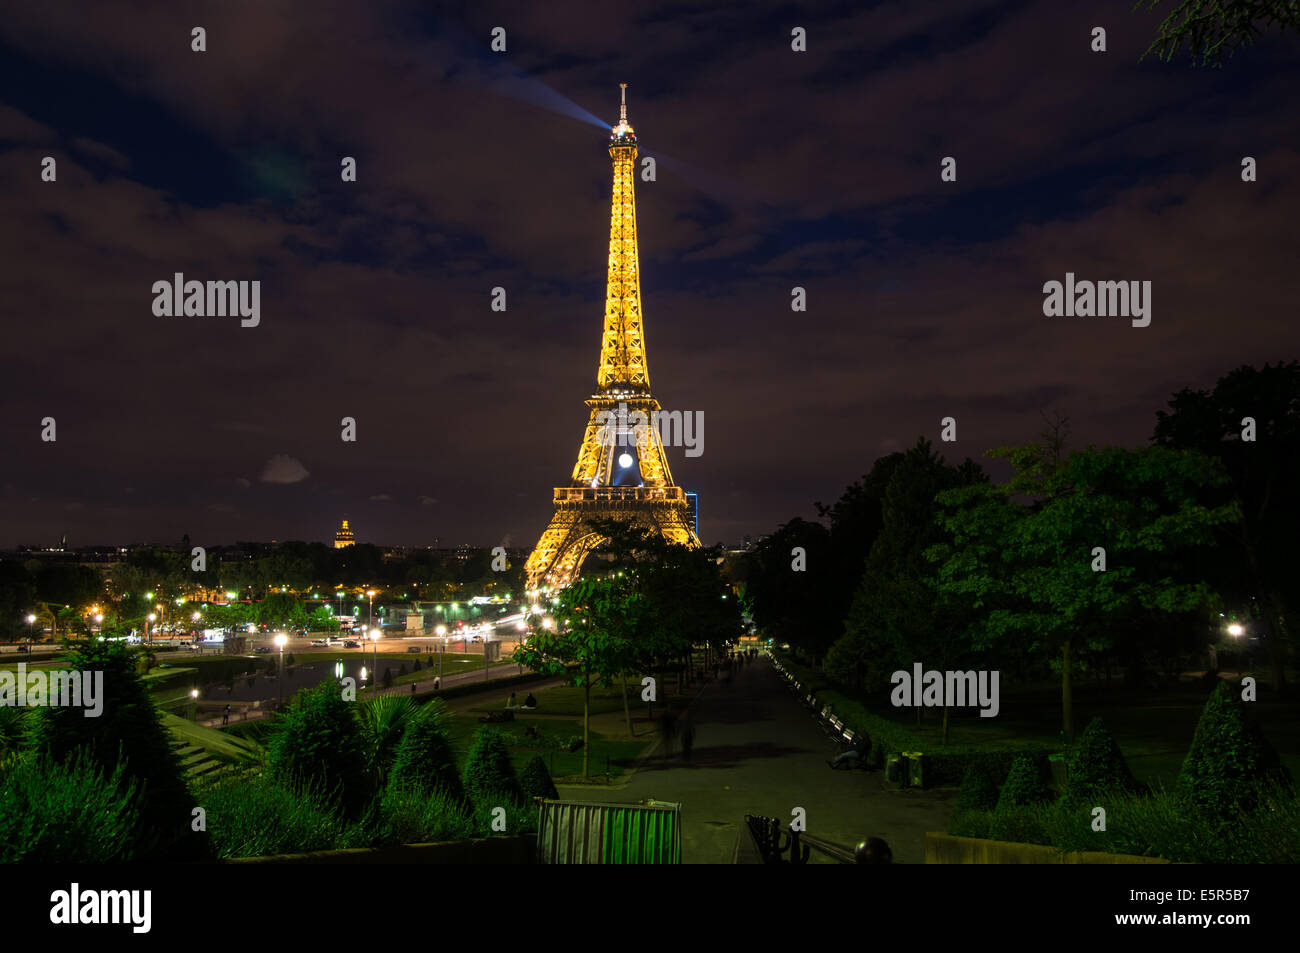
{"x": 263, "y": 650}
{"x": 350, "y": 644}
{"x": 413, "y": 649}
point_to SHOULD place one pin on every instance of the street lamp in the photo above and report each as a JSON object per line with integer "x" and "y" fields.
{"x": 441, "y": 632}
{"x": 374, "y": 637}
{"x": 31, "y": 620}
{"x": 371, "y": 594}
{"x": 279, "y": 691}
{"x": 1235, "y": 630}
{"x": 147, "y": 619}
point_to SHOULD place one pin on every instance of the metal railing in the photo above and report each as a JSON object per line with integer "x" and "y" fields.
{"x": 769, "y": 843}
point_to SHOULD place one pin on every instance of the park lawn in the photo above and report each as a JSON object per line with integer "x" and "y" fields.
{"x": 562, "y": 763}
{"x": 1154, "y": 731}
{"x": 567, "y": 700}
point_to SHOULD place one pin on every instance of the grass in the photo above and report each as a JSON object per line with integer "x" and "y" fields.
{"x": 1153, "y": 728}
{"x": 565, "y": 700}
{"x": 555, "y": 731}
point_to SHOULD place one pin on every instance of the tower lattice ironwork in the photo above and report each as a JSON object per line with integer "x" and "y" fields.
{"x": 622, "y": 472}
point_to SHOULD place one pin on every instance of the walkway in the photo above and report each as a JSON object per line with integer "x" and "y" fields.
{"x": 758, "y": 751}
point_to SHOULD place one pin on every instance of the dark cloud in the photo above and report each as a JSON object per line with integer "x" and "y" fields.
{"x": 477, "y": 170}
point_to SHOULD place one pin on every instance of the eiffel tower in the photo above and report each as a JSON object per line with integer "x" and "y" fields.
{"x": 622, "y": 472}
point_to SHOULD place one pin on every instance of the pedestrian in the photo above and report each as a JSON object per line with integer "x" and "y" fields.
{"x": 511, "y": 702}
{"x": 667, "y": 729}
{"x": 688, "y": 734}
{"x": 530, "y": 701}
{"x": 225, "y": 718}
{"x": 437, "y": 683}
{"x": 413, "y": 688}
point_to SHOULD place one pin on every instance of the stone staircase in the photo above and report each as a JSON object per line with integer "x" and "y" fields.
{"x": 196, "y": 762}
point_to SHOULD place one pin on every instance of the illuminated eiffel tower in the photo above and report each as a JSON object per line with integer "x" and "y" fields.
{"x": 622, "y": 472}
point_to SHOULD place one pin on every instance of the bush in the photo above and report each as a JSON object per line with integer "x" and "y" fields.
{"x": 129, "y": 731}
{"x": 317, "y": 744}
{"x": 1096, "y": 767}
{"x": 384, "y": 720}
{"x": 1024, "y": 784}
{"x": 489, "y": 775}
{"x": 972, "y": 823}
{"x": 519, "y": 819}
{"x": 536, "y": 780}
{"x": 67, "y": 812}
{"x": 1229, "y": 763}
{"x": 978, "y": 791}
{"x": 388, "y": 677}
{"x": 401, "y": 669}
{"x": 416, "y": 666}
{"x": 409, "y": 814}
{"x": 252, "y": 816}
{"x": 425, "y": 761}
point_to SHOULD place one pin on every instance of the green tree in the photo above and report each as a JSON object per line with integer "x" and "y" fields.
{"x": 127, "y": 730}
{"x": 594, "y": 623}
{"x": 1033, "y": 569}
{"x": 899, "y": 616}
{"x": 1259, "y": 558}
{"x": 1211, "y": 28}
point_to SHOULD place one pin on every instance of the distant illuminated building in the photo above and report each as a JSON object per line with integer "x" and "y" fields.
{"x": 344, "y": 538}
{"x": 693, "y": 511}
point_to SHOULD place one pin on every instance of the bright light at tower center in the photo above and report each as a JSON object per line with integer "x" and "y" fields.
{"x": 625, "y": 460}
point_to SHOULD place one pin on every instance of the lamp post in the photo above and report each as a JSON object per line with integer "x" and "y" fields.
{"x": 279, "y": 690}
{"x": 370, "y": 593}
{"x": 194, "y": 696}
{"x": 521, "y": 626}
{"x": 147, "y": 619}
{"x": 31, "y": 620}
{"x": 374, "y": 637}
{"x": 441, "y": 632}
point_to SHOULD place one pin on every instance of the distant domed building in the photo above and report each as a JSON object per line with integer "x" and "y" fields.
{"x": 344, "y": 538}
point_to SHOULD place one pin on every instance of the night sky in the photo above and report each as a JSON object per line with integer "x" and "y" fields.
{"x": 479, "y": 169}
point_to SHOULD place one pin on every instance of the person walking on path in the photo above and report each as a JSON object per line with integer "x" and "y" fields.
{"x": 225, "y": 717}
{"x": 688, "y": 734}
{"x": 667, "y": 729}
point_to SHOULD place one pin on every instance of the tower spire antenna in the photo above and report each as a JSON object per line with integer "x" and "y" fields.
{"x": 622, "y": 108}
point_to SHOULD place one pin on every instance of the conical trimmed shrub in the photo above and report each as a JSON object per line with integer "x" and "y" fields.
{"x": 489, "y": 775}
{"x": 425, "y": 760}
{"x": 1096, "y": 767}
{"x": 1230, "y": 764}
{"x": 536, "y": 780}
{"x": 1024, "y": 785}
{"x": 978, "y": 792}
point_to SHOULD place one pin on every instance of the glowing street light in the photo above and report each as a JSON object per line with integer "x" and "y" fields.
{"x": 374, "y": 637}
{"x": 280, "y": 640}
{"x": 149, "y": 618}
{"x": 1235, "y": 630}
{"x": 441, "y": 632}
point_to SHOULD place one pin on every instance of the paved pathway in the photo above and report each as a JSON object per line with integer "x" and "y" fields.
{"x": 758, "y": 751}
